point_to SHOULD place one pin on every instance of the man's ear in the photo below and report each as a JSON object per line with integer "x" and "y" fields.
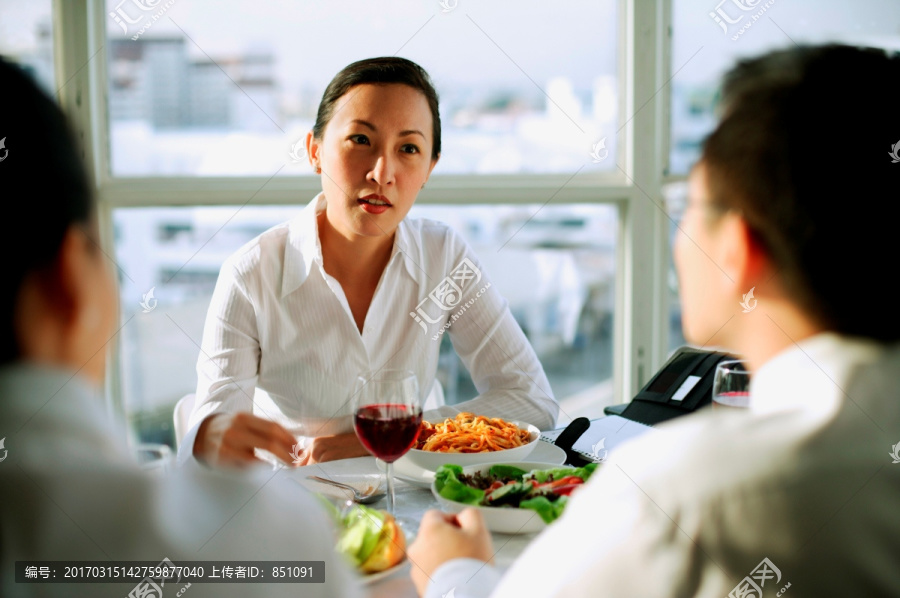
{"x": 72, "y": 278}
{"x": 742, "y": 256}
{"x": 48, "y": 308}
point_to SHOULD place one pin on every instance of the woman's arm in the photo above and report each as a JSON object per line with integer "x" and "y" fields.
{"x": 504, "y": 367}
{"x": 223, "y": 428}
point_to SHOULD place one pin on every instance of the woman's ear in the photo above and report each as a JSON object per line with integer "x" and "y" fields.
{"x": 434, "y": 162}
{"x": 312, "y": 151}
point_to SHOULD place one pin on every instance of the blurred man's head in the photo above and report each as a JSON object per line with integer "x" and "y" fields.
{"x": 57, "y": 303}
{"x": 795, "y": 196}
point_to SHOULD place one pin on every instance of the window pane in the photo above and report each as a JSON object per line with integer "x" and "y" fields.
{"x": 699, "y": 71}
{"x": 26, "y": 37}
{"x": 557, "y": 272}
{"x": 529, "y": 87}
{"x": 556, "y": 268}
{"x": 704, "y": 49}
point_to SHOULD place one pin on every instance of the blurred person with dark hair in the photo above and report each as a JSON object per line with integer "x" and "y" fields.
{"x": 794, "y": 196}
{"x": 351, "y": 284}
{"x": 69, "y": 486}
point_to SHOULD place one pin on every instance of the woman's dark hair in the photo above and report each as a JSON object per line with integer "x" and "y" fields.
{"x": 380, "y": 71}
{"x": 803, "y": 153}
{"x": 45, "y": 187}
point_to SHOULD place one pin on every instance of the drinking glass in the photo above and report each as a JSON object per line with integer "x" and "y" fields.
{"x": 731, "y": 387}
{"x": 154, "y": 458}
{"x": 387, "y": 416}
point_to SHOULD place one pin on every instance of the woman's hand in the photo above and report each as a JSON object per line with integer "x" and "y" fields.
{"x": 330, "y": 448}
{"x": 443, "y": 537}
{"x": 230, "y": 438}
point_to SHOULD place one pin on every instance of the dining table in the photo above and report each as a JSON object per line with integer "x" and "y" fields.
{"x": 412, "y": 501}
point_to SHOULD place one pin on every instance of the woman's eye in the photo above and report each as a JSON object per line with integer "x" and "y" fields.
{"x": 361, "y": 139}
{"x": 409, "y": 148}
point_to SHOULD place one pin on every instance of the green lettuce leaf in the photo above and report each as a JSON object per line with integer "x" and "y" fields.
{"x": 362, "y": 529}
{"x": 507, "y": 471}
{"x": 542, "y": 475}
{"x": 448, "y": 486}
{"x": 548, "y": 510}
{"x": 329, "y": 507}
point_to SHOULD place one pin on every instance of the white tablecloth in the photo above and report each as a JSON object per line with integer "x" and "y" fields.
{"x": 411, "y": 501}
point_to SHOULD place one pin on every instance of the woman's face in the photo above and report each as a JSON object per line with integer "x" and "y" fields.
{"x": 375, "y": 156}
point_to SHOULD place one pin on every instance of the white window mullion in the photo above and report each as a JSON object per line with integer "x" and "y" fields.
{"x": 78, "y": 59}
{"x": 641, "y": 299}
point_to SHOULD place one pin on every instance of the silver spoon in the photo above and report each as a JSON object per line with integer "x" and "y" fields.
{"x": 364, "y": 498}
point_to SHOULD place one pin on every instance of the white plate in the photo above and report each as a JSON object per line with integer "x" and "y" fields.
{"x": 373, "y": 577}
{"x": 409, "y": 472}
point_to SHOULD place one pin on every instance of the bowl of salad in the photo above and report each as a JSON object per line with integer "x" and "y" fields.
{"x": 514, "y": 498}
{"x": 370, "y": 540}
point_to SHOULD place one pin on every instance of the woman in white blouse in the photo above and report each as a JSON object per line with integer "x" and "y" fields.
{"x": 351, "y": 285}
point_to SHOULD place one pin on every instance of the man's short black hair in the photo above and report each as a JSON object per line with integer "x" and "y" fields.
{"x": 803, "y": 153}
{"x": 44, "y": 185}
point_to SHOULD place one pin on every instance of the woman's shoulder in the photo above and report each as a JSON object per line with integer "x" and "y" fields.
{"x": 434, "y": 234}
{"x": 264, "y": 249}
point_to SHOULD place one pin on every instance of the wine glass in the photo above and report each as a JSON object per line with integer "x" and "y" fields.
{"x": 731, "y": 387}
{"x": 154, "y": 458}
{"x": 387, "y": 416}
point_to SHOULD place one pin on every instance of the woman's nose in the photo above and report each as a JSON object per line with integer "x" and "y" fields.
{"x": 383, "y": 171}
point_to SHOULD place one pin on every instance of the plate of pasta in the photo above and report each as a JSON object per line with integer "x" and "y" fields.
{"x": 469, "y": 439}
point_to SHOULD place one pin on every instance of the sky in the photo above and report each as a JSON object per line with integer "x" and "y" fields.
{"x": 314, "y": 39}
{"x": 494, "y": 42}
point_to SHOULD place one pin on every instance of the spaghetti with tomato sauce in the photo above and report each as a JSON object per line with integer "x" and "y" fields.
{"x": 469, "y": 433}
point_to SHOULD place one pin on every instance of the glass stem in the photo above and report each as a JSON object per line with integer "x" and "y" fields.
{"x": 389, "y": 472}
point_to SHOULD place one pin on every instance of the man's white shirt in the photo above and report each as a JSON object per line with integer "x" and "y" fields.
{"x": 800, "y": 489}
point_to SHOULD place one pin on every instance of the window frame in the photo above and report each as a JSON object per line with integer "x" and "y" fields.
{"x": 635, "y": 187}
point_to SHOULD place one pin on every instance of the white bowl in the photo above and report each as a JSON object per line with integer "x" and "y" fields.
{"x": 503, "y": 520}
{"x": 431, "y": 460}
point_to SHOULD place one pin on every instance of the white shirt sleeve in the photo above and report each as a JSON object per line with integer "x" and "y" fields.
{"x": 463, "y": 578}
{"x": 503, "y": 365}
{"x": 228, "y": 365}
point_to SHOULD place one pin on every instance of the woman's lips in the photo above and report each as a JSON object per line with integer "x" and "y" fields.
{"x": 374, "y": 204}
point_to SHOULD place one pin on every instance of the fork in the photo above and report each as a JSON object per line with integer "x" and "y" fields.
{"x": 363, "y": 498}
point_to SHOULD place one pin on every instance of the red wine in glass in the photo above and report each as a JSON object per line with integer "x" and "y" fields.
{"x": 731, "y": 386}
{"x": 731, "y": 400}
{"x": 387, "y": 414}
{"x": 388, "y": 430}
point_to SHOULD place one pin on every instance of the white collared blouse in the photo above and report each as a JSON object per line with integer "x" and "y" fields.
{"x": 280, "y": 338}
